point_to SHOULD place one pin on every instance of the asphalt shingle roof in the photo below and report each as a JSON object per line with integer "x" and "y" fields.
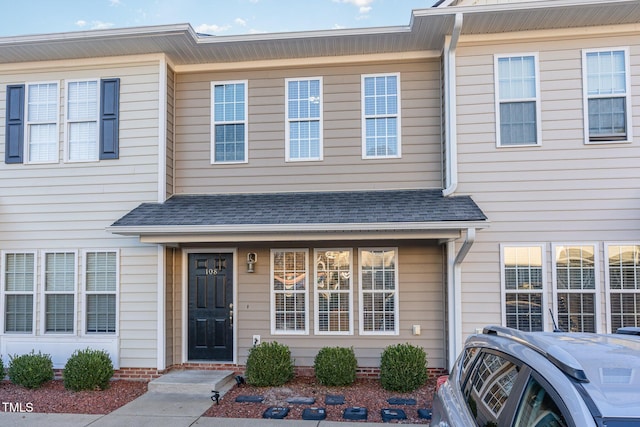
{"x": 359, "y": 207}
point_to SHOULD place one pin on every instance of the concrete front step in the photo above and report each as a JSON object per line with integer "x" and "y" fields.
{"x": 193, "y": 382}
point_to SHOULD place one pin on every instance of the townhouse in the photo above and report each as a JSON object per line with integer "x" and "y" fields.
{"x": 176, "y": 198}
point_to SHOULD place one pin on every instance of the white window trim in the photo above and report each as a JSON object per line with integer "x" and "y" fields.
{"x": 69, "y": 122}
{"x": 361, "y": 291}
{"x": 3, "y": 292}
{"x": 287, "y": 145}
{"x": 245, "y": 122}
{"x": 364, "y": 117}
{"x": 498, "y": 101}
{"x": 82, "y": 295}
{"x": 44, "y": 293}
{"x": 317, "y": 292}
{"x": 27, "y": 130}
{"x": 272, "y": 295}
{"x": 607, "y": 282}
{"x": 596, "y": 273}
{"x": 585, "y": 96}
{"x": 543, "y": 292}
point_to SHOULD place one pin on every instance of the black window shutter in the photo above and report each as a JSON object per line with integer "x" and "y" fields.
{"x": 14, "y": 133}
{"x": 109, "y": 121}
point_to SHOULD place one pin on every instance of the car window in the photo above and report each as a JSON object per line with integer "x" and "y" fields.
{"x": 488, "y": 388}
{"x": 537, "y": 408}
{"x": 467, "y": 359}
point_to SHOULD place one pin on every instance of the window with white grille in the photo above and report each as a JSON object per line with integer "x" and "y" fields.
{"x": 101, "y": 286}
{"x": 19, "y": 277}
{"x": 623, "y": 285}
{"x": 289, "y": 291}
{"x": 379, "y": 291}
{"x": 59, "y": 292}
{"x": 82, "y": 120}
{"x": 42, "y": 122}
{"x": 333, "y": 292}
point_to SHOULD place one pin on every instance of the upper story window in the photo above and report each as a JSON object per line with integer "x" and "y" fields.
{"x": 230, "y": 130}
{"x": 381, "y": 116}
{"x": 42, "y": 122}
{"x": 606, "y": 95}
{"x": 517, "y": 100}
{"x": 82, "y": 120}
{"x": 303, "y": 112}
{"x": 92, "y": 112}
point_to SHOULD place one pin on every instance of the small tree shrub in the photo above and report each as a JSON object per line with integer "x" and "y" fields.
{"x": 1, "y": 369}
{"x": 269, "y": 364}
{"x": 88, "y": 370}
{"x": 403, "y": 368}
{"x": 30, "y": 370}
{"x": 335, "y": 366}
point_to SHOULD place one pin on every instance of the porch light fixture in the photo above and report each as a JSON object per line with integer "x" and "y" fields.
{"x": 252, "y": 257}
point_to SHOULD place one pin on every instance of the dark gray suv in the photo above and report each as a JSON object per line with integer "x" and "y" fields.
{"x": 505, "y": 377}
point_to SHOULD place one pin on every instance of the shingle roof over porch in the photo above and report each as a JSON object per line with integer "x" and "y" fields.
{"x": 302, "y": 212}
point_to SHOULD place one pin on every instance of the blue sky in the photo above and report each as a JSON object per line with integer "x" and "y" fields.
{"x": 219, "y": 17}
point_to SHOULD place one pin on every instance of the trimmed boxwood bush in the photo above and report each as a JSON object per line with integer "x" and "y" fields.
{"x": 269, "y": 364}
{"x": 88, "y": 370}
{"x": 335, "y": 366}
{"x": 403, "y": 368}
{"x": 30, "y": 370}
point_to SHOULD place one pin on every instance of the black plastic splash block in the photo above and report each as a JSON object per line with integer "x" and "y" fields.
{"x": 392, "y": 414}
{"x": 355, "y": 413}
{"x": 315, "y": 414}
{"x": 401, "y": 401}
{"x": 300, "y": 400}
{"x": 249, "y": 398}
{"x": 424, "y": 413}
{"x": 275, "y": 412}
{"x": 334, "y": 399}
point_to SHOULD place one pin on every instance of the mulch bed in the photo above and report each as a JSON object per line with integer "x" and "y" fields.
{"x": 365, "y": 393}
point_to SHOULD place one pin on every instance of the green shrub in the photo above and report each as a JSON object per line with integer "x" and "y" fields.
{"x": 269, "y": 364}
{"x": 335, "y": 366}
{"x": 30, "y": 370}
{"x": 1, "y": 369}
{"x": 403, "y": 368}
{"x": 88, "y": 370}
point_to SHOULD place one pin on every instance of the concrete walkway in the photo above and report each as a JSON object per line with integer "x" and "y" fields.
{"x": 177, "y": 399}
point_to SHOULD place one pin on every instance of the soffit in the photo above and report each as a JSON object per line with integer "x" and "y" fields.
{"x": 425, "y": 32}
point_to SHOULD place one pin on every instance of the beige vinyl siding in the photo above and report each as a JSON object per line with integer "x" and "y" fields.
{"x": 343, "y": 167}
{"x": 421, "y": 303}
{"x": 170, "y": 130}
{"x": 67, "y": 206}
{"x": 562, "y": 192}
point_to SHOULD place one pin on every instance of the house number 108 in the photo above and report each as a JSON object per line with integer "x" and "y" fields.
{"x": 211, "y": 271}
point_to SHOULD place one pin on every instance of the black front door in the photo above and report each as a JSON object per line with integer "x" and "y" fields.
{"x": 211, "y": 306}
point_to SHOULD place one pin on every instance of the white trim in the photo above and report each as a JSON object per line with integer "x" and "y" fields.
{"x": 4, "y": 292}
{"x": 27, "y": 123}
{"x": 628, "y": 102}
{"x": 498, "y": 100}
{"x": 317, "y": 292}
{"x": 84, "y": 294}
{"x": 543, "y": 291}
{"x": 44, "y": 292}
{"x": 398, "y": 117}
{"x": 396, "y": 292}
{"x": 305, "y": 292}
{"x": 595, "y": 291}
{"x": 185, "y": 299}
{"x": 67, "y": 122}
{"x": 607, "y": 282}
{"x": 287, "y": 121}
{"x": 161, "y": 326}
{"x": 245, "y": 121}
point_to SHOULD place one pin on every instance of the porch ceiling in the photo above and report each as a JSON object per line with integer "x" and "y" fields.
{"x": 403, "y": 214}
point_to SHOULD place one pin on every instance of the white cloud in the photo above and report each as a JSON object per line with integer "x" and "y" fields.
{"x": 99, "y": 25}
{"x": 364, "y": 6}
{"x": 80, "y": 23}
{"x": 211, "y": 28}
{"x": 240, "y": 22}
{"x": 114, "y": 2}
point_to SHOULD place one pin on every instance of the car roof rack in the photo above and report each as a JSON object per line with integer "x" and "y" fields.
{"x": 556, "y": 355}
